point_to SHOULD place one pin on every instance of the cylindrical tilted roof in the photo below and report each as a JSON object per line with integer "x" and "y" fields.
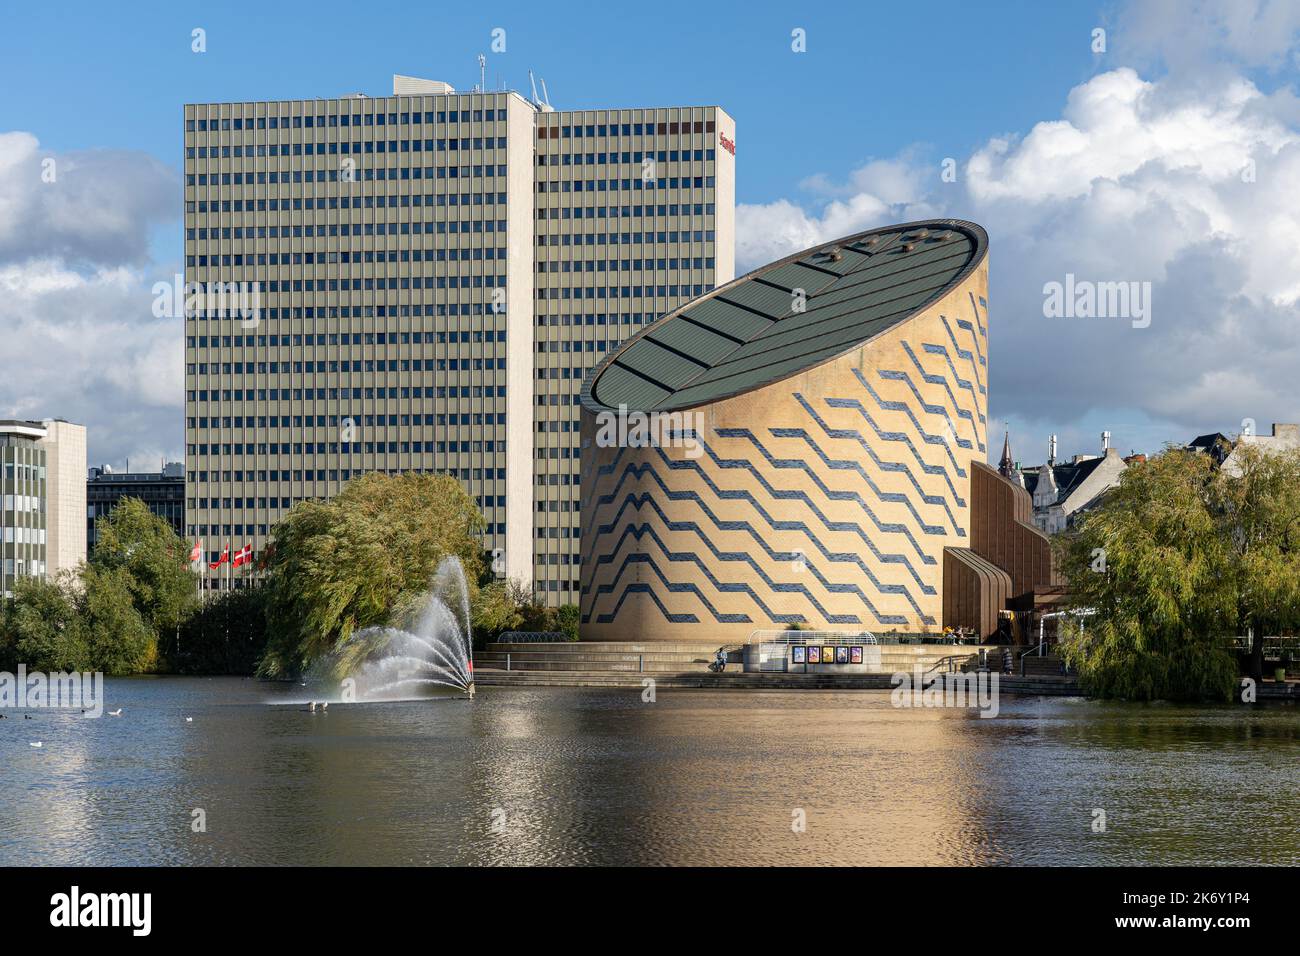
{"x": 786, "y": 317}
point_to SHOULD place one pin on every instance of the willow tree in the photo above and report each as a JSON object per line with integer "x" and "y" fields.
{"x": 155, "y": 560}
{"x": 1153, "y": 563}
{"x": 1255, "y": 498}
{"x": 340, "y": 565}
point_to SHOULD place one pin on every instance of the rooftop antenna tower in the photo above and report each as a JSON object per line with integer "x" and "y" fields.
{"x": 542, "y": 103}
{"x": 482, "y": 73}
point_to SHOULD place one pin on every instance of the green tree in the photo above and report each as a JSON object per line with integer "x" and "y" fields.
{"x": 340, "y": 565}
{"x": 498, "y": 609}
{"x": 156, "y": 559}
{"x": 225, "y": 635}
{"x": 1256, "y": 500}
{"x": 567, "y": 619}
{"x": 1180, "y": 557}
{"x": 45, "y": 627}
{"x": 119, "y": 638}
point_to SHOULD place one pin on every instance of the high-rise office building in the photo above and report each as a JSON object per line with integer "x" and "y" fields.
{"x": 42, "y": 499}
{"x": 426, "y": 280}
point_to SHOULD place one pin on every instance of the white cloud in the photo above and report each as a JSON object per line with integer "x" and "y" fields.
{"x": 1189, "y": 35}
{"x": 93, "y": 206}
{"x": 79, "y": 337}
{"x": 1187, "y": 187}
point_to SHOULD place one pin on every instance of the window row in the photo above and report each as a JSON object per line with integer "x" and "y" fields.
{"x": 346, "y": 147}
{"x": 337, "y": 419}
{"x": 623, "y": 292}
{"x": 605, "y": 159}
{"x": 320, "y": 121}
{"x": 344, "y": 175}
{"x": 343, "y": 338}
{"x": 346, "y": 366}
{"x": 625, "y": 129}
{"x": 615, "y": 185}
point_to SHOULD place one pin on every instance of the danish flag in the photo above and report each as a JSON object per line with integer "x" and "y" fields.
{"x": 225, "y": 554}
{"x": 197, "y": 552}
{"x": 243, "y": 556}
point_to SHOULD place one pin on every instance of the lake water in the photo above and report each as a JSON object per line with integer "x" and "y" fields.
{"x": 586, "y": 776}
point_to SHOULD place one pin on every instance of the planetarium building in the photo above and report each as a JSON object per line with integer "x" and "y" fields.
{"x": 795, "y": 447}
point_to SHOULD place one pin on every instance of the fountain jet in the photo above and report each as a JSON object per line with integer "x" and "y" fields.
{"x": 429, "y": 649}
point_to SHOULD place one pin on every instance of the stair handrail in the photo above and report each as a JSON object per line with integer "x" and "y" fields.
{"x": 1040, "y": 647}
{"x": 949, "y": 662}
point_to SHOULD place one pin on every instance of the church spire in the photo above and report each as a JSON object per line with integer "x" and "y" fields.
{"x": 1006, "y": 467}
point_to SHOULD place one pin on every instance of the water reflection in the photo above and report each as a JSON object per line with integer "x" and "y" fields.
{"x": 578, "y": 776}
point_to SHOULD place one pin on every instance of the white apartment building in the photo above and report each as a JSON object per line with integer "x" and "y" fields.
{"x": 42, "y": 499}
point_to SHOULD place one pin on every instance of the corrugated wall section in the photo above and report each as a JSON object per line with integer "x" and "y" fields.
{"x": 1001, "y": 531}
{"x": 974, "y": 591}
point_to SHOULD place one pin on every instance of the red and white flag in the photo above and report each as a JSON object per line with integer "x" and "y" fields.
{"x": 197, "y": 551}
{"x": 243, "y": 556}
{"x": 225, "y": 555}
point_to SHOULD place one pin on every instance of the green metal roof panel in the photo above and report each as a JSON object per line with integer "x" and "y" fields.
{"x": 796, "y": 275}
{"x": 744, "y": 380}
{"x": 905, "y": 298}
{"x": 838, "y": 259}
{"x": 727, "y": 319}
{"x": 630, "y": 390}
{"x": 757, "y": 296}
{"x": 746, "y": 334}
{"x": 660, "y": 364}
{"x": 695, "y": 340}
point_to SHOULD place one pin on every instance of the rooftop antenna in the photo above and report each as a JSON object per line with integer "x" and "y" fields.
{"x": 482, "y": 73}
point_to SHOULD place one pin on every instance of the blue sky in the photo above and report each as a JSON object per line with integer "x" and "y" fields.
{"x": 1114, "y": 165}
{"x": 863, "y": 93}
{"x": 875, "y": 77}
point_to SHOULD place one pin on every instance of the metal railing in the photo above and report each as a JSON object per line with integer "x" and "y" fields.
{"x": 637, "y": 658}
{"x": 833, "y": 638}
{"x": 1273, "y": 644}
{"x": 1040, "y": 649}
{"x": 950, "y": 664}
{"x": 532, "y": 637}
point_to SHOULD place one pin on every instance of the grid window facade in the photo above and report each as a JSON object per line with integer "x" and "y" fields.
{"x": 431, "y": 278}
{"x": 22, "y": 511}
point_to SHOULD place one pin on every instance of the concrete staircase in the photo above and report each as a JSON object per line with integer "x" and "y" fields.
{"x": 668, "y": 658}
{"x": 685, "y": 664}
{"x": 736, "y": 680}
{"x": 1051, "y": 667}
{"x": 599, "y": 657}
